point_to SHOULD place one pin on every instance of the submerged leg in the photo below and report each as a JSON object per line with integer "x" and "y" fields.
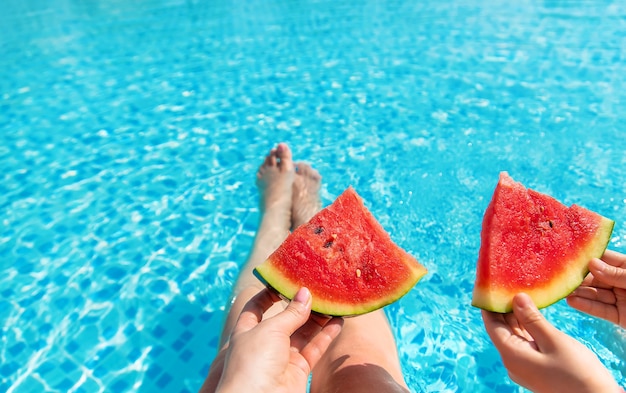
{"x": 275, "y": 179}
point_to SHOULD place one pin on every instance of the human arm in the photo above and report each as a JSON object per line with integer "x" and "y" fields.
{"x": 276, "y": 354}
{"x": 603, "y": 292}
{"x": 540, "y": 357}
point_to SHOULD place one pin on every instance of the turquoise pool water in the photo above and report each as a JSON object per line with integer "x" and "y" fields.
{"x": 130, "y": 133}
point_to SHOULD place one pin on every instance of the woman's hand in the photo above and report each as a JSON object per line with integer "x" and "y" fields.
{"x": 276, "y": 354}
{"x": 540, "y": 357}
{"x": 603, "y": 292}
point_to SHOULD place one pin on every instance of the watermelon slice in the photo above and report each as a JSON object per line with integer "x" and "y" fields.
{"x": 345, "y": 258}
{"x": 532, "y": 243}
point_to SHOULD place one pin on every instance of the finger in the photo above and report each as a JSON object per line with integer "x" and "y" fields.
{"x": 313, "y": 351}
{"x": 516, "y": 328}
{"x": 614, "y": 258}
{"x": 253, "y": 310}
{"x": 295, "y": 315}
{"x": 607, "y": 273}
{"x": 301, "y": 337}
{"x": 591, "y": 281}
{"x": 496, "y": 326}
{"x": 596, "y": 294}
{"x": 595, "y": 308}
{"x": 534, "y": 322}
{"x": 513, "y": 348}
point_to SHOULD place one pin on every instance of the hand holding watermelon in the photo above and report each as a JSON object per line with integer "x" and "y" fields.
{"x": 603, "y": 292}
{"x": 540, "y": 357}
{"x": 276, "y": 354}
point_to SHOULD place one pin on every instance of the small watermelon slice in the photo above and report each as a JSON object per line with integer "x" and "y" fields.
{"x": 532, "y": 243}
{"x": 345, "y": 258}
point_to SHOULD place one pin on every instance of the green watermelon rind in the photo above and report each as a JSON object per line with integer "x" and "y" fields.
{"x": 491, "y": 299}
{"x": 267, "y": 273}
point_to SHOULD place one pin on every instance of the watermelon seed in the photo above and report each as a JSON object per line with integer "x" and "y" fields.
{"x": 551, "y": 223}
{"x": 318, "y": 230}
{"x": 358, "y": 273}
{"x": 328, "y": 244}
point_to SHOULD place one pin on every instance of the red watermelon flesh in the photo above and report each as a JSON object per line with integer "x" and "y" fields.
{"x": 345, "y": 258}
{"x": 532, "y": 243}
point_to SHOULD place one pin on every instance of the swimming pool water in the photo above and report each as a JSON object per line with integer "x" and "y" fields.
{"x": 130, "y": 133}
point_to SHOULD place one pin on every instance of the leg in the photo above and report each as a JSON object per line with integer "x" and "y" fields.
{"x": 305, "y": 197}
{"x": 275, "y": 179}
{"x": 362, "y": 359}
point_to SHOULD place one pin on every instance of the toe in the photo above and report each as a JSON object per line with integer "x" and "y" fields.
{"x": 283, "y": 152}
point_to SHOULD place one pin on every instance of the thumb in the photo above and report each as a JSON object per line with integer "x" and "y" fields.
{"x": 296, "y": 314}
{"x": 534, "y": 322}
{"x": 608, "y": 274}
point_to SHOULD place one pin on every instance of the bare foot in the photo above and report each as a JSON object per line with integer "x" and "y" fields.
{"x": 305, "y": 197}
{"x": 274, "y": 180}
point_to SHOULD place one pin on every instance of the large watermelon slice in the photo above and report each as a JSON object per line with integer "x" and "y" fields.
{"x": 345, "y": 258}
{"x": 532, "y": 243}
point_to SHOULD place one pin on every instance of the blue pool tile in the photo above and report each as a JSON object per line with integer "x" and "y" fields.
{"x": 186, "y": 355}
{"x": 133, "y": 355}
{"x": 9, "y": 368}
{"x": 129, "y": 330}
{"x": 85, "y": 284}
{"x": 64, "y": 385}
{"x": 158, "y": 332}
{"x": 68, "y": 366}
{"x": 164, "y": 380}
{"x": 119, "y": 386}
{"x": 163, "y": 271}
{"x": 37, "y": 344}
{"x": 153, "y": 371}
{"x": 102, "y": 353}
{"x": 29, "y": 314}
{"x": 7, "y": 293}
{"x": 44, "y": 328}
{"x": 130, "y": 312}
{"x": 61, "y": 280}
{"x": 100, "y": 371}
{"x": 61, "y": 303}
{"x": 187, "y": 319}
{"x": 188, "y": 289}
{"x": 169, "y": 308}
{"x": 178, "y": 345}
{"x": 72, "y": 347}
{"x": 109, "y": 332}
{"x": 204, "y": 370}
{"x": 25, "y": 267}
{"x": 115, "y": 273}
{"x": 45, "y": 367}
{"x": 157, "y": 350}
{"x": 186, "y": 335}
{"x": 16, "y": 349}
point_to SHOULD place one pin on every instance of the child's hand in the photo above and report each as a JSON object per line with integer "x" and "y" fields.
{"x": 603, "y": 292}
{"x": 540, "y": 357}
{"x": 277, "y": 354}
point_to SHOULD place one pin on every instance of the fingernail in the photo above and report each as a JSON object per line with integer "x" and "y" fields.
{"x": 302, "y": 296}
